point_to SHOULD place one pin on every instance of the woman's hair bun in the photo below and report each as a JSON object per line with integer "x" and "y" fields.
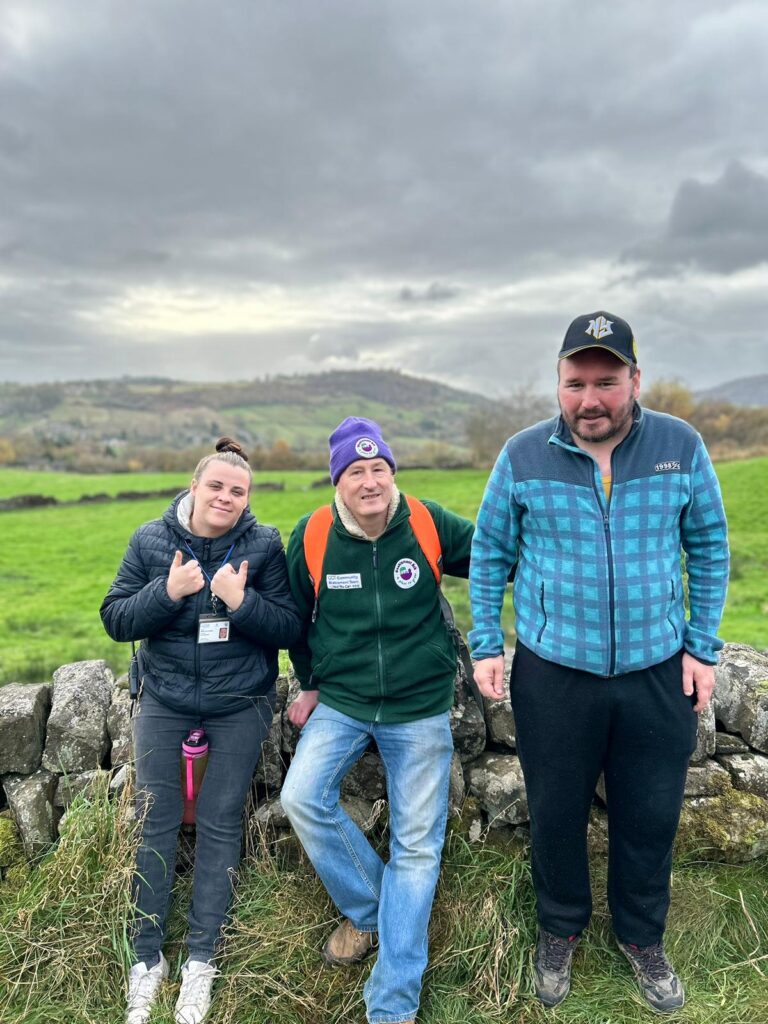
{"x": 228, "y": 444}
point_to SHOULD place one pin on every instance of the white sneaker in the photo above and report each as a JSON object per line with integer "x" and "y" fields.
{"x": 143, "y": 986}
{"x": 195, "y": 996}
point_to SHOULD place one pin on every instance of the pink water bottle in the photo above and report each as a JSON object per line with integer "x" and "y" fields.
{"x": 194, "y": 759}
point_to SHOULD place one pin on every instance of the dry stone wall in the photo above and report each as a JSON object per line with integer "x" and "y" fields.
{"x": 56, "y": 738}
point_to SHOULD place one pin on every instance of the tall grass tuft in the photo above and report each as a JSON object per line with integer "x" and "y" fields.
{"x": 63, "y": 933}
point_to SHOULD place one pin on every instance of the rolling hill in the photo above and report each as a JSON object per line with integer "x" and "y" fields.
{"x": 118, "y": 417}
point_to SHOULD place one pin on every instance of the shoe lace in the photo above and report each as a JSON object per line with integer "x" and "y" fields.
{"x": 197, "y": 983}
{"x": 142, "y": 988}
{"x": 652, "y": 960}
{"x": 555, "y": 951}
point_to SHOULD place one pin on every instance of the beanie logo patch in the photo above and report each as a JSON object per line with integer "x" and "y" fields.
{"x": 599, "y": 328}
{"x": 406, "y": 573}
{"x": 366, "y": 448}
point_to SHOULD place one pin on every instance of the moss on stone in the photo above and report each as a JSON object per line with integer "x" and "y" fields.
{"x": 462, "y": 822}
{"x": 11, "y": 850}
{"x": 16, "y": 875}
{"x": 732, "y": 827}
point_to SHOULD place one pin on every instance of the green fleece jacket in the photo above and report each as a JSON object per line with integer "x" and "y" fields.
{"x": 379, "y": 649}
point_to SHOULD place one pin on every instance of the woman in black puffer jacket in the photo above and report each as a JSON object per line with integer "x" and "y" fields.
{"x": 205, "y": 589}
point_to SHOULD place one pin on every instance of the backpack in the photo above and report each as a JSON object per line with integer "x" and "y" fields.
{"x": 428, "y": 539}
{"x": 321, "y": 521}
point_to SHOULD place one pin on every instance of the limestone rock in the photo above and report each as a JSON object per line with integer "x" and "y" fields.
{"x": 24, "y": 709}
{"x": 705, "y": 735}
{"x": 270, "y": 769}
{"x": 741, "y": 694}
{"x": 122, "y": 777}
{"x": 600, "y": 788}
{"x": 119, "y": 727}
{"x": 748, "y": 771}
{"x": 77, "y": 727}
{"x": 367, "y": 779}
{"x": 500, "y": 721}
{"x": 732, "y": 827}
{"x": 467, "y": 722}
{"x": 282, "y": 684}
{"x": 728, "y": 743}
{"x": 290, "y": 734}
{"x": 70, "y": 786}
{"x": 597, "y": 832}
{"x": 708, "y": 779}
{"x": 270, "y": 814}
{"x": 469, "y": 821}
{"x": 457, "y": 788}
{"x": 364, "y": 813}
{"x": 30, "y": 800}
{"x": 497, "y": 782}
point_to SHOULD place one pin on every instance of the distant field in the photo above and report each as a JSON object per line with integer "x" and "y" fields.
{"x": 56, "y": 564}
{"x": 71, "y": 486}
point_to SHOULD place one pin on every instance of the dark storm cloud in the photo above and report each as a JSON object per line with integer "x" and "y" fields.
{"x": 391, "y": 169}
{"x": 720, "y": 226}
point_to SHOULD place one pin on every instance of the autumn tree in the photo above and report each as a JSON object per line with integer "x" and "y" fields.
{"x": 487, "y": 434}
{"x": 669, "y": 396}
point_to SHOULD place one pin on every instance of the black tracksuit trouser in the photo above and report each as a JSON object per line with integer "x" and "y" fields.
{"x": 639, "y": 729}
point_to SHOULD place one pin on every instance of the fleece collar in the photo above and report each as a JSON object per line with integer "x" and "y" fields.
{"x": 349, "y": 522}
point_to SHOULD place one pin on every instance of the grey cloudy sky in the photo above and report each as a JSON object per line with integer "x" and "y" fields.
{"x": 224, "y": 190}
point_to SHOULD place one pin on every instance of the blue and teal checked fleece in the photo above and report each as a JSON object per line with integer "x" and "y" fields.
{"x": 598, "y": 584}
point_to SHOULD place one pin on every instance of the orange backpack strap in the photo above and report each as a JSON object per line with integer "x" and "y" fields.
{"x": 423, "y": 526}
{"x": 315, "y": 543}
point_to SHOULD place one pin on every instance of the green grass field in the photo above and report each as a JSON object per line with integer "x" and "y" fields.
{"x": 56, "y": 564}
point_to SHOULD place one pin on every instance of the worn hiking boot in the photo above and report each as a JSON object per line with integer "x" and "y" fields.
{"x": 143, "y": 987}
{"x": 346, "y": 945}
{"x": 552, "y": 967}
{"x": 659, "y": 984}
{"x": 194, "y": 1000}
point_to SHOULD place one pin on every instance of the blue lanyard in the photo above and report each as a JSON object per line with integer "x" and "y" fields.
{"x": 202, "y": 570}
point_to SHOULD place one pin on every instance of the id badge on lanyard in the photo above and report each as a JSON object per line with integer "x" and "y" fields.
{"x": 214, "y": 627}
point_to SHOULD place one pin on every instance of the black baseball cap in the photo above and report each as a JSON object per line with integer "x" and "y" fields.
{"x": 600, "y": 330}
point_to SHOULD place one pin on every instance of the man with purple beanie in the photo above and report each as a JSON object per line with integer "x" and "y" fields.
{"x": 376, "y": 662}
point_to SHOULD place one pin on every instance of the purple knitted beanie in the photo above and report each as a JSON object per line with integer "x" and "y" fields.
{"x": 357, "y": 438}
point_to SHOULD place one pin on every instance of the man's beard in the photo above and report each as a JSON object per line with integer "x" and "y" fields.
{"x": 617, "y": 422}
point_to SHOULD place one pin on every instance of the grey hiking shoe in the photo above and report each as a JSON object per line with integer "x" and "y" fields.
{"x": 552, "y": 967}
{"x": 346, "y": 945}
{"x": 659, "y": 984}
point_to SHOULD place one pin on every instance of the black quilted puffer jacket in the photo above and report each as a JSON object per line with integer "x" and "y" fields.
{"x": 213, "y": 678}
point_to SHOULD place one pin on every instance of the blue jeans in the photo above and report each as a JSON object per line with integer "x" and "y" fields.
{"x": 395, "y": 898}
{"x": 234, "y": 746}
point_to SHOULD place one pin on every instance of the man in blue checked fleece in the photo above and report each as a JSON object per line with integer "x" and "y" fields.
{"x": 594, "y": 508}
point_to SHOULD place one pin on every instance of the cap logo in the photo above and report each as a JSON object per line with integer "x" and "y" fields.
{"x": 366, "y": 448}
{"x": 599, "y": 328}
{"x": 406, "y": 573}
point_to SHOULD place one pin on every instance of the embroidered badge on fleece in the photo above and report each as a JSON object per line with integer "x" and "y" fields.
{"x": 406, "y": 573}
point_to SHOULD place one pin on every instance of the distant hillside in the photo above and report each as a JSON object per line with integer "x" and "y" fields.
{"x": 744, "y": 391}
{"x": 110, "y": 420}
